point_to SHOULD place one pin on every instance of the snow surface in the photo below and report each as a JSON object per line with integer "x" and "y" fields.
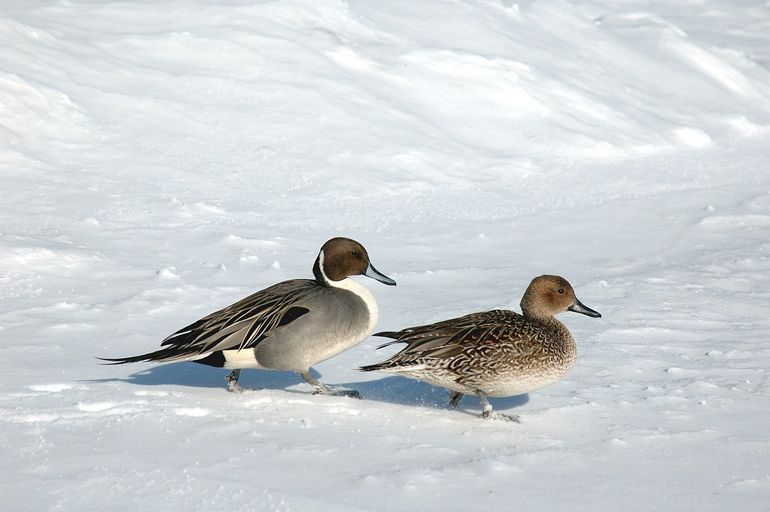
{"x": 162, "y": 159}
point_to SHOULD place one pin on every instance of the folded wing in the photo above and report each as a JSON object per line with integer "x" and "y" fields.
{"x": 239, "y": 326}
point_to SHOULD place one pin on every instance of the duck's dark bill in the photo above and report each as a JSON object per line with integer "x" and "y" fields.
{"x": 375, "y": 274}
{"x": 579, "y": 307}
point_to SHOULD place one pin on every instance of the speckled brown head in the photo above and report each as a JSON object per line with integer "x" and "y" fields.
{"x": 342, "y": 257}
{"x": 547, "y": 296}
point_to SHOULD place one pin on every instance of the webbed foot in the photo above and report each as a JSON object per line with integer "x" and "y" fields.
{"x": 323, "y": 389}
{"x": 232, "y": 382}
{"x": 492, "y": 415}
{"x": 488, "y": 414}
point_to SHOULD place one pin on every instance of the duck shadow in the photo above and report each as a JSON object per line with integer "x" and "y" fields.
{"x": 391, "y": 389}
{"x": 198, "y": 376}
{"x": 409, "y": 392}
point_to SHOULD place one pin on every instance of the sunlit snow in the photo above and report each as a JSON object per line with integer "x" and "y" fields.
{"x": 162, "y": 159}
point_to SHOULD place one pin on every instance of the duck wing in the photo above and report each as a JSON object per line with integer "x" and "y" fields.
{"x": 482, "y": 332}
{"x": 239, "y": 326}
{"x": 454, "y": 328}
{"x": 247, "y": 322}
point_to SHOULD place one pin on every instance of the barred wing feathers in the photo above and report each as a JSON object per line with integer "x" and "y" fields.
{"x": 484, "y": 332}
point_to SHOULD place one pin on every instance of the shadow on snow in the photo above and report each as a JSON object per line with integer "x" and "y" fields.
{"x": 391, "y": 389}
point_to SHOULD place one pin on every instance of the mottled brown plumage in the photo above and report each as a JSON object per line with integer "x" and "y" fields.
{"x": 493, "y": 353}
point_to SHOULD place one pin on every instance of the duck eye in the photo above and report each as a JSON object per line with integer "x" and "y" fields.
{"x": 354, "y": 252}
{"x": 561, "y": 291}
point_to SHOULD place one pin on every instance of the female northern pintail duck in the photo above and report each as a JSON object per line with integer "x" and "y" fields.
{"x": 289, "y": 326}
{"x": 494, "y": 353}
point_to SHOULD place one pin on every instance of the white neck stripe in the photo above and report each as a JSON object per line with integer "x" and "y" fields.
{"x": 325, "y": 278}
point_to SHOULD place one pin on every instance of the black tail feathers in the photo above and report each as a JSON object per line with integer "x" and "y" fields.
{"x": 164, "y": 354}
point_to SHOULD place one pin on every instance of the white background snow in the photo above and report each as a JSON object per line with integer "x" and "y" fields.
{"x": 162, "y": 159}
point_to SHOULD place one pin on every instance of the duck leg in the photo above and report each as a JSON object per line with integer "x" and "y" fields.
{"x": 487, "y": 412}
{"x": 323, "y": 389}
{"x": 232, "y": 381}
{"x": 454, "y": 398}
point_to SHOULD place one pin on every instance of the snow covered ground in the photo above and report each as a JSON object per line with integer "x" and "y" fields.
{"x": 162, "y": 159}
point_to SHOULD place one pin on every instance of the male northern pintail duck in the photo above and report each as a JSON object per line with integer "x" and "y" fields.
{"x": 493, "y": 353}
{"x": 289, "y": 326}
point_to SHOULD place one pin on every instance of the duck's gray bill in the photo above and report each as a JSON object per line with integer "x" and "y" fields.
{"x": 579, "y": 307}
{"x": 375, "y": 274}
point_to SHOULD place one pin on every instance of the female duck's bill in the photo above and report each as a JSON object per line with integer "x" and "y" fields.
{"x": 288, "y": 326}
{"x": 579, "y": 307}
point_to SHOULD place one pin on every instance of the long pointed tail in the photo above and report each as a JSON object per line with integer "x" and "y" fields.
{"x": 371, "y": 367}
{"x": 164, "y": 355}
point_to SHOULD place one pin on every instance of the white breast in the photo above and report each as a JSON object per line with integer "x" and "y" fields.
{"x": 357, "y": 289}
{"x": 365, "y": 295}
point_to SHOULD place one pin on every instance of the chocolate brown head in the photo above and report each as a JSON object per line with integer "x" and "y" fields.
{"x": 548, "y": 295}
{"x": 342, "y": 257}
